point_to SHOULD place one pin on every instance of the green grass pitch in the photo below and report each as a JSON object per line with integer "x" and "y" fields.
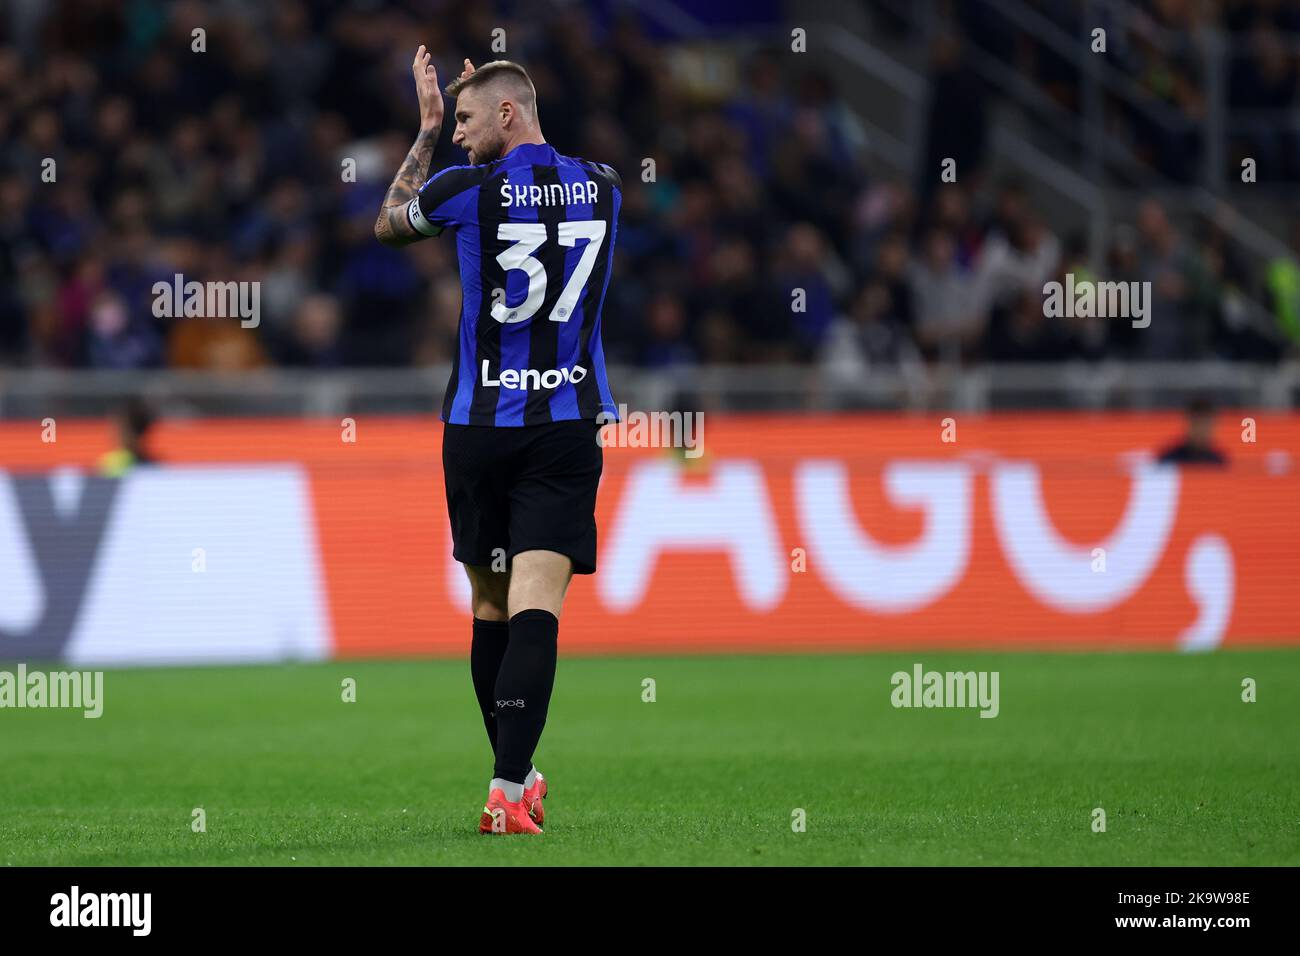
{"x": 711, "y": 772}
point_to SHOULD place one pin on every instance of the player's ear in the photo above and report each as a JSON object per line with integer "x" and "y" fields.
{"x": 507, "y": 111}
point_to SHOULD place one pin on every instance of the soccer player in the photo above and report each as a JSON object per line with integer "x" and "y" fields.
{"x": 535, "y": 238}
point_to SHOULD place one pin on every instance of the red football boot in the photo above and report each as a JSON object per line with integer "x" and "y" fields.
{"x": 533, "y": 799}
{"x": 502, "y": 816}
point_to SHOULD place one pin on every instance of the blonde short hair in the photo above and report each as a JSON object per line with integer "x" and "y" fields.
{"x": 506, "y": 74}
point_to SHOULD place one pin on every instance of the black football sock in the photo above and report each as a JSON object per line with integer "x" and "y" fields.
{"x": 486, "y": 653}
{"x": 523, "y": 691}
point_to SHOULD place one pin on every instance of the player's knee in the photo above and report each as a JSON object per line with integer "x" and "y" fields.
{"x": 487, "y": 609}
{"x": 539, "y": 579}
{"x": 489, "y": 595}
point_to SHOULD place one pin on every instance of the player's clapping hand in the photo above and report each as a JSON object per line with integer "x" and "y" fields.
{"x": 469, "y": 68}
{"x": 426, "y": 89}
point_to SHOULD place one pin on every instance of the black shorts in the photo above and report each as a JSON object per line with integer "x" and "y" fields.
{"x": 523, "y": 489}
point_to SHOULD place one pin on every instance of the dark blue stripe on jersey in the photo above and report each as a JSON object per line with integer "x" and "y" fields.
{"x": 473, "y": 295}
{"x": 597, "y": 345}
{"x": 460, "y": 389}
{"x": 593, "y": 393}
{"x": 564, "y": 401}
{"x": 465, "y": 206}
{"x": 487, "y": 340}
{"x": 543, "y": 352}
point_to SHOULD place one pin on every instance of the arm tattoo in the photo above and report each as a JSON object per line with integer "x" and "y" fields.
{"x": 392, "y": 227}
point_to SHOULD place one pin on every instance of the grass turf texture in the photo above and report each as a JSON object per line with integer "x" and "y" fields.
{"x": 710, "y": 773}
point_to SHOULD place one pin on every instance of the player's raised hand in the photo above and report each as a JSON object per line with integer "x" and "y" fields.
{"x": 426, "y": 88}
{"x": 469, "y": 69}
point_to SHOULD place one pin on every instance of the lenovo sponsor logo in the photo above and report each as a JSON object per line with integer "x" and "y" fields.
{"x": 530, "y": 378}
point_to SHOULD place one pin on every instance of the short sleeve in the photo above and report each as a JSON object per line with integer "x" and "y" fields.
{"x": 447, "y": 200}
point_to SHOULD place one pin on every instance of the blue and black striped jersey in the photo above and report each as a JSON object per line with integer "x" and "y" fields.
{"x": 535, "y": 239}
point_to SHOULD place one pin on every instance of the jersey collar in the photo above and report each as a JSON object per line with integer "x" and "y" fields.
{"x": 529, "y": 153}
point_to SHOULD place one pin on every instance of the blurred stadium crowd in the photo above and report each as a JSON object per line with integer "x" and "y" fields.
{"x": 228, "y": 165}
{"x": 1155, "y": 50}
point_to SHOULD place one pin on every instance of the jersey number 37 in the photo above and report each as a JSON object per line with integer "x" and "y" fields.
{"x": 526, "y": 238}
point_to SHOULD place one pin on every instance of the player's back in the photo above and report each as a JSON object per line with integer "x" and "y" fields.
{"x": 535, "y": 239}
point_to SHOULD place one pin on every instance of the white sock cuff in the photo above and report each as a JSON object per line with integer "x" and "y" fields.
{"x": 514, "y": 791}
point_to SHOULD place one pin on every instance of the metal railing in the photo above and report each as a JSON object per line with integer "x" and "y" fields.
{"x": 35, "y": 395}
